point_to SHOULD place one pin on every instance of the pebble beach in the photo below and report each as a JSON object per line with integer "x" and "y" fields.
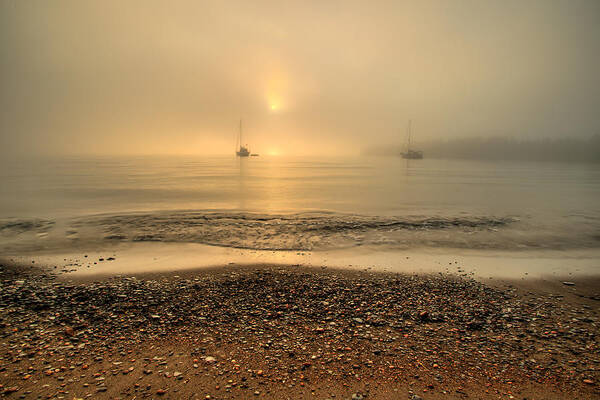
{"x": 289, "y": 332}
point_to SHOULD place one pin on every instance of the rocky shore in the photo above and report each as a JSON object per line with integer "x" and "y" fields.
{"x": 291, "y": 332}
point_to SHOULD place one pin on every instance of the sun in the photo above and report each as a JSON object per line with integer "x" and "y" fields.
{"x": 273, "y": 107}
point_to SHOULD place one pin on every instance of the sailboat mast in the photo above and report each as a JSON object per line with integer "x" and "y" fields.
{"x": 237, "y": 142}
{"x": 409, "y": 124}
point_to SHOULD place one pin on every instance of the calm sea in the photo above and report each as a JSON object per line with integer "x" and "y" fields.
{"x": 285, "y": 203}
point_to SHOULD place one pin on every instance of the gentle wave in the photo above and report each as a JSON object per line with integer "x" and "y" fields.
{"x": 9, "y": 227}
{"x": 301, "y": 231}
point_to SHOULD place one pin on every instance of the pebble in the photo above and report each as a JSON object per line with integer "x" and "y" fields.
{"x": 346, "y": 327}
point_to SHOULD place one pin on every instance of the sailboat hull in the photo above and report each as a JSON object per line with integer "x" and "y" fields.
{"x": 413, "y": 155}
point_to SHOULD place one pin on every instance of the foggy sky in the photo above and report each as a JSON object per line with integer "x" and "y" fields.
{"x": 97, "y": 77}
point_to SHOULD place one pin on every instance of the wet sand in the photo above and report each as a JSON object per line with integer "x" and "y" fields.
{"x": 275, "y": 331}
{"x": 139, "y": 258}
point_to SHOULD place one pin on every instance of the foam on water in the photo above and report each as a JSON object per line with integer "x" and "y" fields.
{"x": 299, "y": 231}
{"x": 303, "y": 231}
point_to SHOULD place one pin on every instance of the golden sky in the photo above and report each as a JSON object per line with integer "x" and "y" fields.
{"x": 307, "y": 77}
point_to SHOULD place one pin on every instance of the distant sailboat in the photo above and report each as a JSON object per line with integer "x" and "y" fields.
{"x": 411, "y": 154}
{"x": 242, "y": 149}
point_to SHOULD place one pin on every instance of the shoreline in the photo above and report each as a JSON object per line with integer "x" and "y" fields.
{"x": 138, "y": 258}
{"x": 296, "y": 332}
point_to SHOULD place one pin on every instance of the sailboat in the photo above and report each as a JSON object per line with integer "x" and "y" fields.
{"x": 242, "y": 150}
{"x": 411, "y": 154}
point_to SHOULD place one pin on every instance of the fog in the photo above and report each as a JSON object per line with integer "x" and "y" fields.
{"x": 333, "y": 77}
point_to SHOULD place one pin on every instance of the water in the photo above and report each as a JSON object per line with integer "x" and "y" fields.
{"x": 281, "y": 203}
